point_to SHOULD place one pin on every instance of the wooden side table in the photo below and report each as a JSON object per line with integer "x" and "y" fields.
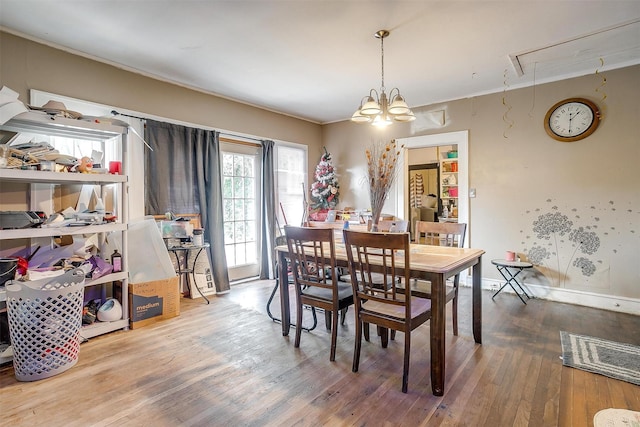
{"x": 510, "y": 270}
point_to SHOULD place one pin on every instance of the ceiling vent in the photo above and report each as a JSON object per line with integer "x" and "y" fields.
{"x": 613, "y": 47}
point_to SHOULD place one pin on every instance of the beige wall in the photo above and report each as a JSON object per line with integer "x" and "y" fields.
{"x": 520, "y": 173}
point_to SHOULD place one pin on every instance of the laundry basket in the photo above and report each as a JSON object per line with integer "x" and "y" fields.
{"x": 45, "y": 317}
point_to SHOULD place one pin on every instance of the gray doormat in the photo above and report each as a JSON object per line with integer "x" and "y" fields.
{"x": 612, "y": 359}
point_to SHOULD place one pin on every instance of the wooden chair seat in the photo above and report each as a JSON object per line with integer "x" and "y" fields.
{"x": 418, "y": 306}
{"x": 422, "y": 289}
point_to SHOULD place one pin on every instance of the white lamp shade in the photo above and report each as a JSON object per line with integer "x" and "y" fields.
{"x": 398, "y": 106}
{"x": 370, "y": 108}
{"x": 359, "y": 118}
{"x": 406, "y": 117}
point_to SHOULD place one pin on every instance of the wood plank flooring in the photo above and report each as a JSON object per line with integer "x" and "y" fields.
{"x": 227, "y": 364}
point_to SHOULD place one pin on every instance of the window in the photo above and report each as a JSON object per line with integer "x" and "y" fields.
{"x": 291, "y": 183}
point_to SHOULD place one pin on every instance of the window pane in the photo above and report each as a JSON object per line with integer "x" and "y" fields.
{"x": 248, "y": 166}
{"x": 250, "y": 211}
{"x": 249, "y": 188}
{"x": 238, "y": 187}
{"x": 228, "y": 209}
{"x": 250, "y": 230}
{"x": 240, "y": 230}
{"x": 229, "y": 250}
{"x": 238, "y": 209}
{"x": 227, "y": 164}
{"x": 241, "y": 251}
{"x": 251, "y": 252}
{"x": 228, "y": 233}
{"x": 238, "y": 164}
{"x": 227, "y": 187}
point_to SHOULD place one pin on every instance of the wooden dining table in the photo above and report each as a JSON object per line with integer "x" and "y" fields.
{"x": 433, "y": 263}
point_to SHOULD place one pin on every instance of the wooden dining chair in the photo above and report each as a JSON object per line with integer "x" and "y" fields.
{"x": 440, "y": 234}
{"x": 384, "y": 306}
{"x": 312, "y": 255}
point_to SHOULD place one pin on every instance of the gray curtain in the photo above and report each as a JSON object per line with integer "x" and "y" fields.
{"x": 183, "y": 175}
{"x": 267, "y": 268}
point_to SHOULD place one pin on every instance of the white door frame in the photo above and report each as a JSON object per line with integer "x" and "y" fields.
{"x": 461, "y": 139}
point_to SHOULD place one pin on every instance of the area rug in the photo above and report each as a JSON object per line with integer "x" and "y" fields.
{"x": 609, "y": 358}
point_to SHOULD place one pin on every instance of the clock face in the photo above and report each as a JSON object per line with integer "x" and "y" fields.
{"x": 571, "y": 120}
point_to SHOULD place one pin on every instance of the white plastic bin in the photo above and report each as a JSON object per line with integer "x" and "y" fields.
{"x": 45, "y": 317}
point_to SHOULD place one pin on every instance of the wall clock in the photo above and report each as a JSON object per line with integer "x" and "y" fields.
{"x": 572, "y": 119}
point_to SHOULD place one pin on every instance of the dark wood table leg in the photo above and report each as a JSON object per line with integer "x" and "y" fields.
{"x": 477, "y": 301}
{"x": 285, "y": 314}
{"x": 437, "y": 334}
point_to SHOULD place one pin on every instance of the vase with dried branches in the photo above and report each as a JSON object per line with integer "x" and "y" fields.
{"x": 382, "y": 169}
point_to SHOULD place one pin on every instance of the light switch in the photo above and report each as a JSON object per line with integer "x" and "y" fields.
{"x": 472, "y": 192}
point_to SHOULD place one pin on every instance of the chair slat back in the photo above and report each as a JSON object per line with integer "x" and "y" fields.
{"x": 440, "y": 233}
{"x": 386, "y": 253}
{"x": 311, "y": 251}
{"x": 390, "y": 226}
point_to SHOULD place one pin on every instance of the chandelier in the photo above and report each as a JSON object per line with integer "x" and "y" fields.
{"x": 376, "y": 107}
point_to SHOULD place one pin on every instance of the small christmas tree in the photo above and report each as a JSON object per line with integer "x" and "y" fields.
{"x": 324, "y": 191}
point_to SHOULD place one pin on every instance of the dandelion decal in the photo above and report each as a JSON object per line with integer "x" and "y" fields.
{"x": 538, "y": 254}
{"x": 585, "y": 265}
{"x": 552, "y": 226}
{"x": 587, "y": 241}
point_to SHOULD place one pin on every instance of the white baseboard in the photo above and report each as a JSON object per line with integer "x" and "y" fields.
{"x": 570, "y": 296}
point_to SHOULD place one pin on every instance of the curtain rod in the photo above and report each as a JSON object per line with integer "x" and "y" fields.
{"x": 116, "y": 113}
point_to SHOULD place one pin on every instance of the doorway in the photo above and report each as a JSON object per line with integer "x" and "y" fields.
{"x": 241, "y": 184}
{"x": 461, "y": 139}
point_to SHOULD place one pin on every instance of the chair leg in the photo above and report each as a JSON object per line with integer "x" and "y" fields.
{"x": 327, "y": 319}
{"x": 393, "y": 334}
{"x": 334, "y": 334}
{"x": 357, "y": 345}
{"x": 407, "y": 353}
{"x": 298, "y": 322}
{"x": 454, "y": 306}
{"x": 344, "y": 315}
{"x": 366, "y": 331}
{"x": 384, "y": 336}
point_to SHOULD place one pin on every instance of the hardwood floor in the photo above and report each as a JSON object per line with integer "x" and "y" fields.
{"x": 227, "y": 364}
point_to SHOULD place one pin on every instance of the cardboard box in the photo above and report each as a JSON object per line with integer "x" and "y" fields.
{"x": 151, "y": 302}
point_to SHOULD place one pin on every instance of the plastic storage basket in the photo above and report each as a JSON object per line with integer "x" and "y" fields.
{"x": 45, "y": 317}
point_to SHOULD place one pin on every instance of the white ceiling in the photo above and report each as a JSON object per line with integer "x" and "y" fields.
{"x": 317, "y": 59}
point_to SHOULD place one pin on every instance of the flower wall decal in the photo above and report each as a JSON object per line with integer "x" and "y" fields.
{"x": 566, "y": 242}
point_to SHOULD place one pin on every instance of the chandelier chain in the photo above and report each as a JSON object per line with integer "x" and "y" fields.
{"x": 382, "y": 61}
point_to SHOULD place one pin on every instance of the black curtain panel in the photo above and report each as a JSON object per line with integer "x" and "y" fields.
{"x": 183, "y": 175}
